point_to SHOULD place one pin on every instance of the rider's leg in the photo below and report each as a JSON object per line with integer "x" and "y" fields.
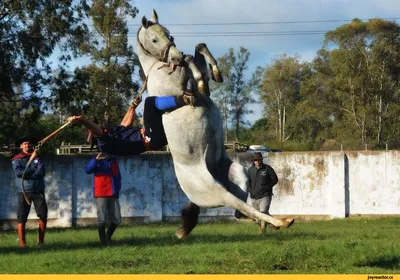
{"x": 93, "y": 127}
{"x": 155, "y": 106}
{"x": 154, "y": 129}
{"x": 169, "y": 103}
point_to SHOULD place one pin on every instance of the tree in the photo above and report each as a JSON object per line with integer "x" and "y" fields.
{"x": 257, "y": 133}
{"x": 102, "y": 88}
{"x": 29, "y": 33}
{"x": 234, "y": 95}
{"x": 279, "y": 90}
{"x": 310, "y": 121}
{"x": 112, "y": 66}
{"x": 365, "y": 62}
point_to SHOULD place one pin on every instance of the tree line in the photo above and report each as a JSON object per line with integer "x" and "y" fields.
{"x": 348, "y": 94}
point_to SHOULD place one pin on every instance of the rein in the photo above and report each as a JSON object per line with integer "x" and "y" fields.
{"x": 163, "y": 53}
{"x": 144, "y": 86}
{"x": 33, "y": 155}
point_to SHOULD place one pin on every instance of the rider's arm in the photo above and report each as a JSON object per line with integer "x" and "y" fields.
{"x": 129, "y": 117}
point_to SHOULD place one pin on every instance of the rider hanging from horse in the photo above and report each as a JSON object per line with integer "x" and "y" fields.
{"x": 125, "y": 140}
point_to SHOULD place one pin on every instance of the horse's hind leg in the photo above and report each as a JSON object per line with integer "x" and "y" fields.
{"x": 237, "y": 184}
{"x": 216, "y": 73}
{"x": 233, "y": 175}
{"x": 202, "y": 86}
{"x": 190, "y": 216}
{"x": 232, "y": 201}
{"x": 238, "y": 179}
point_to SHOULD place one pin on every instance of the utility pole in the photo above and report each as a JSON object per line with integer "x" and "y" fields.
{"x": 226, "y": 119}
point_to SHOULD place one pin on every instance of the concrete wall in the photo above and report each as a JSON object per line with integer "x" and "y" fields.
{"x": 310, "y": 184}
{"x": 313, "y": 185}
{"x": 373, "y": 182}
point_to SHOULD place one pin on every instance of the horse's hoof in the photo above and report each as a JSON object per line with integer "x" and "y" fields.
{"x": 274, "y": 227}
{"x": 181, "y": 233}
{"x": 288, "y": 222}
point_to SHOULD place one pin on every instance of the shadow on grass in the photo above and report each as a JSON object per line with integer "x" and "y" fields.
{"x": 382, "y": 262}
{"x": 164, "y": 240}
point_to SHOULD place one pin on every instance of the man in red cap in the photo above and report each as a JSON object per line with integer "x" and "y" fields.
{"x": 34, "y": 186}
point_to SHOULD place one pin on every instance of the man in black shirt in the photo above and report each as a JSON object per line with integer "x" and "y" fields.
{"x": 262, "y": 178}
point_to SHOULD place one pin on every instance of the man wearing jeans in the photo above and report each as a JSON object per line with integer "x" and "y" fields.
{"x": 262, "y": 178}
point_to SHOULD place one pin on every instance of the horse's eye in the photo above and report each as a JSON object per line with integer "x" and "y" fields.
{"x": 154, "y": 40}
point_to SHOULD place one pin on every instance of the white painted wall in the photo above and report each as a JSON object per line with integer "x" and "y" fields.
{"x": 374, "y": 183}
{"x": 312, "y": 185}
{"x": 309, "y": 184}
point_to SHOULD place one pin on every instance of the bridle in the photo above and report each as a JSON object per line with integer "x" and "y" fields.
{"x": 163, "y": 55}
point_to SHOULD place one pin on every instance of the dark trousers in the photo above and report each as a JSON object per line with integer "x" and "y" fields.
{"x": 262, "y": 204}
{"x": 153, "y": 124}
{"x": 38, "y": 200}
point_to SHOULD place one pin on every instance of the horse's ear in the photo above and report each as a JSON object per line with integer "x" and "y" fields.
{"x": 145, "y": 23}
{"x": 154, "y": 17}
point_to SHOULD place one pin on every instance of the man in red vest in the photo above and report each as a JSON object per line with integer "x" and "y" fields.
{"x": 106, "y": 187}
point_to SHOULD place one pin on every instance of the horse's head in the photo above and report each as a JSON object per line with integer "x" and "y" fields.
{"x": 155, "y": 40}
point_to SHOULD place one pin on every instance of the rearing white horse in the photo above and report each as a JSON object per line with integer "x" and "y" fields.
{"x": 205, "y": 173}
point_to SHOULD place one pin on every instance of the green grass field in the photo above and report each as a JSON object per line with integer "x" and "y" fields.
{"x": 346, "y": 246}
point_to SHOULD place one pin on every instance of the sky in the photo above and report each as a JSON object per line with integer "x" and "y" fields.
{"x": 284, "y": 24}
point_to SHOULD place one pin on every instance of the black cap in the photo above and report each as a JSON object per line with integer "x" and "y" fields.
{"x": 25, "y": 139}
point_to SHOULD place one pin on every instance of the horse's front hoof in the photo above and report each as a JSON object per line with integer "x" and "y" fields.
{"x": 288, "y": 222}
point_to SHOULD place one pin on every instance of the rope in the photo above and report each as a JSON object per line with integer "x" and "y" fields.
{"x": 33, "y": 155}
{"x": 144, "y": 86}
